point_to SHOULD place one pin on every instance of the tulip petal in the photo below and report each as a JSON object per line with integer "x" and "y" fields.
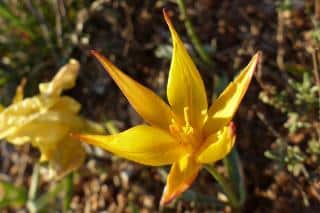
{"x": 46, "y": 120}
{"x": 22, "y": 113}
{"x": 224, "y": 108}
{"x": 143, "y": 144}
{"x": 46, "y": 134}
{"x": 18, "y": 115}
{"x": 46, "y": 129}
{"x": 181, "y": 176}
{"x": 218, "y": 145}
{"x": 68, "y": 157}
{"x": 19, "y": 91}
{"x": 63, "y": 80}
{"x": 67, "y": 104}
{"x": 185, "y": 87}
{"x": 147, "y": 104}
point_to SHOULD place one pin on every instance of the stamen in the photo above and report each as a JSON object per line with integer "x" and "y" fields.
{"x": 205, "y": 114}
{"x": 174, "y": 128}
{"x": 186, "y": 116}
{"x": 184, "y": 132}
{"x": 187, "y": 128}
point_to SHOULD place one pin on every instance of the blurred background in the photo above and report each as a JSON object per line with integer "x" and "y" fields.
{"x": 277, "y": 124}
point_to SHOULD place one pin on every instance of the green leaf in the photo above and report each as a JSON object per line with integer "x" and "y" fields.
{"x": 235, "y": 171}
{"x": 14, "y": 20}
{"x": 12, "y": 195}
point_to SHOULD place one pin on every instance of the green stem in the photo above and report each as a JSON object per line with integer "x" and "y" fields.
{"x": 235, "y": 172}
{"x": 315, "y": 55}
{"x": 112, "y": 129}
{"x": 68, "y": 192}
{"x": 41, "y": 202}
{"x": 34, "y": 182}
{"x": 192, "y": 34}
{"x": 225, "y": 185}
{"x": 14, "y": 20}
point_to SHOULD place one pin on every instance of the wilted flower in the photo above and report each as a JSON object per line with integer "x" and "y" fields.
{"x": 185, "y": 133}
{"x": 45, "y": 121}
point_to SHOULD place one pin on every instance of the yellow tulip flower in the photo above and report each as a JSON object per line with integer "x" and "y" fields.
{"x": 45, "y": 121}
{"x": 185, "y": 132}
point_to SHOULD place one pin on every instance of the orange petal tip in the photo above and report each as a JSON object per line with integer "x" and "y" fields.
{"x": 166, "y": 17}
{"x": 103, "y": 60}
{"x": 165, "y": 13}
{"x": 95, "y": 53}
{"x": 167, "y": 199}
{"x": 233, "y": 128}
{"x": 76, "y": 136}
{"x": 256, "y": 61}
{"x": 259, "y": 54}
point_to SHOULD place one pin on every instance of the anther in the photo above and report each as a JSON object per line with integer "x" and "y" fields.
{"x": 174, "y": 128}
{"x": 186, "y": 116}
{"x": 187, "y": 128}
{"x": 205, "y": 114}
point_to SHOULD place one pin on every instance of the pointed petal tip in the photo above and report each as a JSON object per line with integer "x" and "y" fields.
{"x": 259, "y": 54}
{"x": 257, "y": 58}
{"x": 80, "y": 137}
{"x": 233, "y": 128}
{"x": 75, "y": 135}
{"x": 94, "y": 52}
{"x": 254, "y": 63}
{"x": 168, "y": 198}
{"x": 180, "y": 178}
{"x": 106, "y": 63}
{"x": 88, "y": 139}
{"x": 165, "y": 201}
{"x": 165, "y": 11}
{"x": 23, "y": 82}
{"x": 167, "y": 17}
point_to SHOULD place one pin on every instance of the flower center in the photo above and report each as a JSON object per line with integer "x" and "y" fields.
{"x": 185, "y": 133}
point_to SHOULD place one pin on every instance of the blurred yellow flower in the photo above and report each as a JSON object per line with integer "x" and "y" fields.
{"x": 185, "y": 133}
{"x": 45, "y": 121}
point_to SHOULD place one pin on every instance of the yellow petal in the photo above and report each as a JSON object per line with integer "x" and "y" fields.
{"x": 45, "y": 121}
{"x": 223, "y": 109}
{"x": 64, "y": 79}
{"x": 68, "y": 157}
{"x": 67, "y": 104}
{"x": 49, "y": 133}
{"x": 150, "y": 107}
{"x": 23, "y": 112}
{"x": 73, "y": 121}
{"x": 47, "y": 140}
{"x": 143, "y": 144}
{"x": 39, "y": 134}
{"x": 218, "y": 145}
{"x": 39, "y": 108}
{"x": 180, "y": 178}
{"x": 19, "y": 91}
{"x": 185, "y": 87}
{"x": 1, "y": 108}
{"x": 94, "y": 127}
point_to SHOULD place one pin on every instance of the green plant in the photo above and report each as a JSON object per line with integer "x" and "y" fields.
{"x": 35, "y": 36}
